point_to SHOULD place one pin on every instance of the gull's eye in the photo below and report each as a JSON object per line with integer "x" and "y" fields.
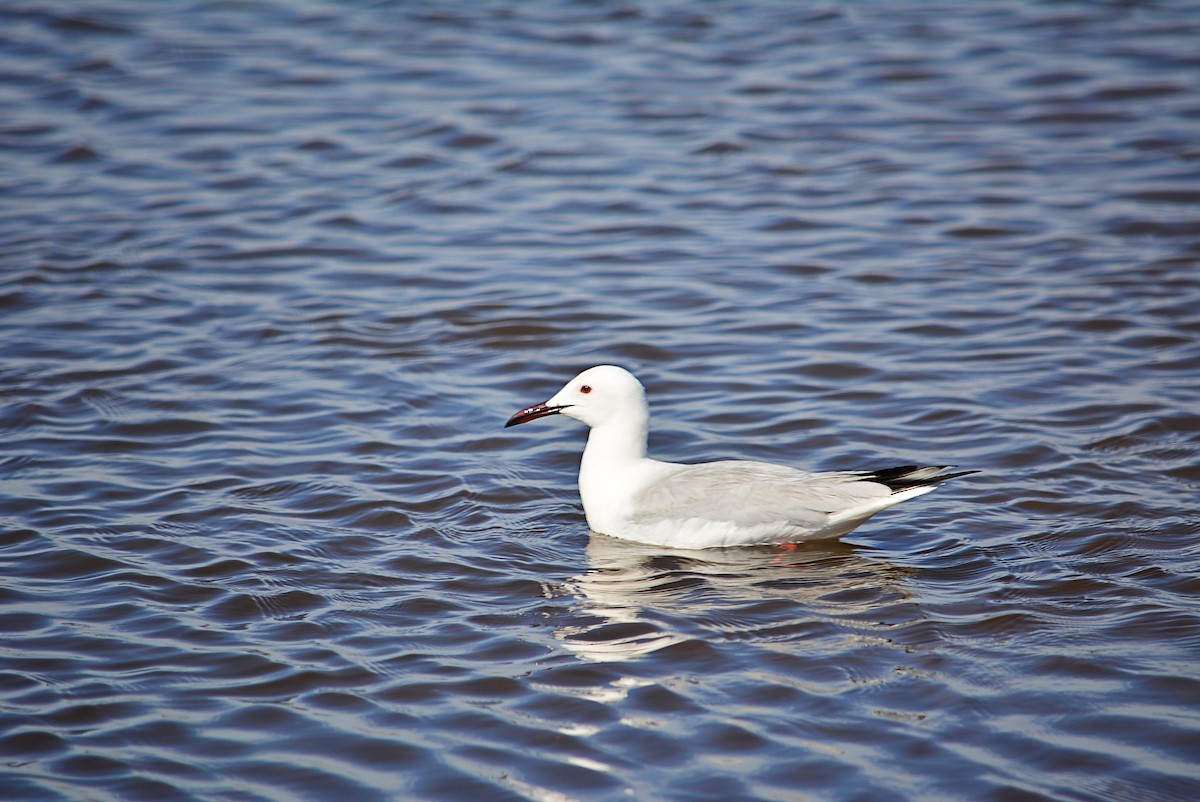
{"x": 585, "y": 389}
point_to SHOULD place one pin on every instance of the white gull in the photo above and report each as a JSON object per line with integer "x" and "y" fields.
{"x": 710, "y": 504}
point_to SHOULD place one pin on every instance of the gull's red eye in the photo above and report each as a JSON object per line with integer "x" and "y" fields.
{"x": 585, "y": 389}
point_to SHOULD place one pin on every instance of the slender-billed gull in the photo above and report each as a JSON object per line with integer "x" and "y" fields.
{"x": 709, "y": 504}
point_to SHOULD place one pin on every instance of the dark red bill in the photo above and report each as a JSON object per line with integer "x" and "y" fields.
{"x": 533, "y": 413}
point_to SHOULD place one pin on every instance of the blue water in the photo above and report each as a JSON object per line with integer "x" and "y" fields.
{"x": 273, "y": 275}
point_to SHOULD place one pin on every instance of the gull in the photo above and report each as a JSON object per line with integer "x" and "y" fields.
{"x": 627, "y": 495}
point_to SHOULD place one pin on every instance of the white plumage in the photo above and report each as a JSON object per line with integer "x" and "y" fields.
{"x": 711, "y": 504}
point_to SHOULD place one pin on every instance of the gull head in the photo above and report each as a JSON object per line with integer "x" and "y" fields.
{"x": 597, "y": 396}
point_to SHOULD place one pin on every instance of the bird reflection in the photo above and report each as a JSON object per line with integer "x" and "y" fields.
{"x": 636, "y": 599}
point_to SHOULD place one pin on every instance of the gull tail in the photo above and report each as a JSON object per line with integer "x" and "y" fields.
{"x": 909, "y": 477}
{"x": 905, "y": 482}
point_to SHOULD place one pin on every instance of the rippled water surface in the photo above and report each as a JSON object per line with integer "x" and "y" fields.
{"x": 274, "y": 275}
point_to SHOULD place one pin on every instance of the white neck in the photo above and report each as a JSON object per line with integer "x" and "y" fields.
{"x": 612, "y": 470}
{"x": 616, "y": 442}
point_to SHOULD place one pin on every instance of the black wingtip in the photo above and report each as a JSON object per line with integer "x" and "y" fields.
{"x": 943, "y": 477}
{"x": 906, "y": 477}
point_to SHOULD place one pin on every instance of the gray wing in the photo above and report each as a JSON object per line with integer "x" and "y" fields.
{"x": 749, "y": 493}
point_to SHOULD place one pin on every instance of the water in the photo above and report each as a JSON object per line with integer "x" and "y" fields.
{"x": 275, "y": 274}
